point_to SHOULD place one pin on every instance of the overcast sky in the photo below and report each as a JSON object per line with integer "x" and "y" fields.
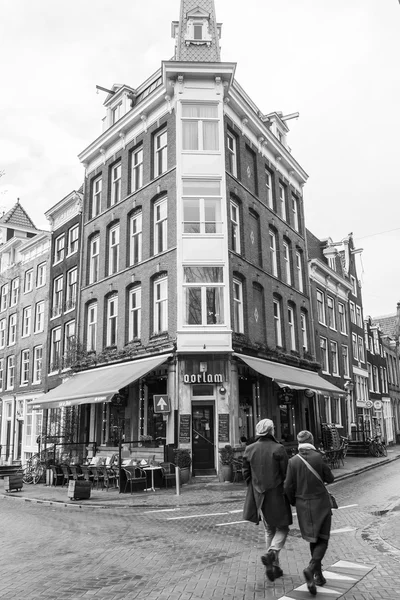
{"x": 337, "y": 63}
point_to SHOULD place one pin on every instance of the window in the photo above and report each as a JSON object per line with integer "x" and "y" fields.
{"x": 235, "y": 227}
{"x": 304, "y": 330}
{"x": 160, "y": 305}
{"x": 361, "y": 349}
{"x": 295, "y": 213}
{"x": 160, "y": 153}
{"x": 282, "y": 201}
{"x": 352, "y": 312}
{"x": 323, "y": 344}
{"x": 200, "y": 127}
{"x": 355, "y": 347}
{"x": 370, "y": 379}
{"x": 332, "y": 262}
{"x": 28, "y": 281}
{"x": 73, "y": 240}
{"x": 4, "y": 297}
{"x": 330, "y": 303}
{"x": 201, "y": 206}
{"x": 58, "y": 285}
{"x": 95, "y": 200}
{"x": 160, "y": 226}
{"x": 1, "y": 374}
{"x": 268, "y": 188}
{"x": 14, "y": 292}
{"x": 41, "y": 275}
{"x": 135, "y": 313}
{"x": 112, "y": 321}
{"x": 25, "y": 367}
{"x": 136, "y": 169}
{"x": 115, "y": 184}
{"x": 273, "y": 253}
{"x": 232, "y": 154}
{"x": 113, "y": 249}
{"x": 342, "y": 318}
{"x": 70, "y": 300}
{"x": 2, "y": 333}
{"x": 385, "y": 380}
{"x": 278, "y": 323}
{"x": 292, "y": 328}
{"x": 375, "y": 374}
{"x": 91, "y": 334}
{"x": 69, "y": 344}
{"x": 94, "y": 252}
{"x": 345, "y": 361}
{"x": 238, "y": 306}
{"x": 135, "y": 248}
{"x": 10, "y": 372}
{"x": 116, "y": 113}
{"x": 359, "y": 316}
{"x": 321, "y": 307}
{"x": 286, "y": 263}
{"x": 353, "y": 282}
{"x": 37, "y": 364}
{"x": 26, "y": 321}
{"x": 336, "y": 416}
{"x": 204, "y": 295}
{"x": 12, "y": 329}
{"x": 59, "y": 247}
{"x": 55, "y": 349}
{"x": 334, "y": 358}
{"x": 300, "y": 274}
{"x": 39, "y": 316}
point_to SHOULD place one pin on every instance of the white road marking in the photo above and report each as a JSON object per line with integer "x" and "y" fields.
{"x": 343, "y": 530}
{"x": 161, "y": 510}
{"x": 348, "y": 506}
{"x": 197, "y": 516}
{"x": 231, "y": 523}
{"x": 345, "y": 564}
{"x": 338, "y": 576}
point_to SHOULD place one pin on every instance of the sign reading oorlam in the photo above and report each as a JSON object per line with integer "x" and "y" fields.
{"x": 203, "y": 378}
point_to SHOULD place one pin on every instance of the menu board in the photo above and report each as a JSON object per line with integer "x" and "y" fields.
{"x": 223, "y": 427}
{"x": 184, "y": 429}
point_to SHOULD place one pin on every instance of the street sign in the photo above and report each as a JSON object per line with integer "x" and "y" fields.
{"x": 161, "y": 403}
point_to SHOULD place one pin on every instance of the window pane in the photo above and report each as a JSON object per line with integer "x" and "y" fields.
{"x": 205, "y": 111}
{"x": 203, "y": 275}
{"x": 190, "y": 137}
{"x": 193, "y": 306}
{"x": 215, "y": 305}
{"x": 210, "y": 135}
{"x": 191, "y": 215}
{"x": 199, "y": 187}
{"x": 212, "y": 215}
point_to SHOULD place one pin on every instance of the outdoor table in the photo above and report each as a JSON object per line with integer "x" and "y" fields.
{"x": 152, "y": 468}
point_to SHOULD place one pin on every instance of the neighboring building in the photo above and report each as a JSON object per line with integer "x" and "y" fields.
{"x": 24, "y": 260}
{"x": 330, "y": 289}
{"x": 194, "y": 292}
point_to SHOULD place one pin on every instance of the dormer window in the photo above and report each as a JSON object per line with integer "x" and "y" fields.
{"x": 116, "y": 113}
{"x": 197, "y": 31}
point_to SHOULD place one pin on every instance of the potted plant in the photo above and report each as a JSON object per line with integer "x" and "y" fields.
{"x": 226, "y": 460}
{"x": 183, "y": 460}
{"x": 146, "y": 440}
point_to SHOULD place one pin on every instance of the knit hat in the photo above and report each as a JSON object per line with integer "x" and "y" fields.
{"x": 305, "y": 437}
{"x": 264, "y": 427}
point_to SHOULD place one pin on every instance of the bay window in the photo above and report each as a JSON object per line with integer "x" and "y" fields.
{"x": 201, "y": 206}
{"x": 200, "y": 127}
{"x": 204, "y": 295}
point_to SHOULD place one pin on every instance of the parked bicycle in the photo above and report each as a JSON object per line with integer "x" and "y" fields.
{"x": 33, "y": 470}
{"x": 376, "y": 446}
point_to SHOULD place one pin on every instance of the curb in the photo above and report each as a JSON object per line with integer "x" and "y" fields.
{"x": 364, "y": 469}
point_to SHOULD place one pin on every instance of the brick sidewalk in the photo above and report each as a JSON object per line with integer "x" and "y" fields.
{"x": 195, "y": 494}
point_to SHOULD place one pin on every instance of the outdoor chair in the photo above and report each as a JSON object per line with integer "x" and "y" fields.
{"x": 237, "y": 468}
{"x": 87, "y": 476}
{"x": 98, "y": 476}
{"x": 76, "y": 472}
{"x": 135, "y": 476}
{"x": 168, "y": 473}
{"x": 109, "y": 476}
{"x": 67, "y": 475}
{"x": 58, "y": 475}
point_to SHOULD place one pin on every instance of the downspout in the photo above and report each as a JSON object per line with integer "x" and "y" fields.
{"x": 78, "y": 299}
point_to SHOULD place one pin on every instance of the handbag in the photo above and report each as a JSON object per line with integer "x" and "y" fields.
{"x": 332, "y": 498}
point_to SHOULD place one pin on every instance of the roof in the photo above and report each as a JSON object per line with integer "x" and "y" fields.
{"x": 388, "y": 324}
{"x": 197, "y": 50}
{"x": 17, "y": 217}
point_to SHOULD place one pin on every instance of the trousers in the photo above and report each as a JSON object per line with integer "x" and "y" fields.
{"x": 275, "y": 538}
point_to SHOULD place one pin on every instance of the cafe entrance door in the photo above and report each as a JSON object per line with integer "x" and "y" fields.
{"x": 203, "y": 446}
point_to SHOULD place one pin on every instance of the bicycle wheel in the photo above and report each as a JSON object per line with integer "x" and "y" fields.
{"x": 37, "y": 474}
{"x": 373, "y": 449}
{"x": 382, "y": 450}
{"x": 27, "y": 476}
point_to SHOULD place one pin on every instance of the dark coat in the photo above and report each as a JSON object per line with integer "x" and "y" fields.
{"x": 264, "y": 468}
{"x": 307, "y": 493}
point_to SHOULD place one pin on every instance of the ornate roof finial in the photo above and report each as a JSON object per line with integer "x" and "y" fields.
{"x": 197, "y": 33}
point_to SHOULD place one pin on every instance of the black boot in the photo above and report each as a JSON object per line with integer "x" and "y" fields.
{"x": 268, "y": 562}
{"x": 277, "y": 572}
{"x": 318, "y": 577}
{"x": 309, "y": 577}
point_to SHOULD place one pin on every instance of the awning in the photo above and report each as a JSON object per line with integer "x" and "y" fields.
{"x": 293, "y": 377}
{"x": 97, "y": 385}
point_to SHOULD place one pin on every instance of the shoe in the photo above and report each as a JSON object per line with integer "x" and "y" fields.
{"x": 268, "y": 562}
{"x": 309, "y": 577}
{"x": 277, "y": 572}
{"x": 319, "y": 578}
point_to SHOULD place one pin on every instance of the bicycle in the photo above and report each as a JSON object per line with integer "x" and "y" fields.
{"x": 33, "y": 471}
{"x": 377, "y": 447}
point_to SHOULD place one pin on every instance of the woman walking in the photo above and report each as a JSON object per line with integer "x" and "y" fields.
{"x": 307, "y": 492}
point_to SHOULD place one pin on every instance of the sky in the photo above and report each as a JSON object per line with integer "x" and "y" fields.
{"x": 336, "y": 63}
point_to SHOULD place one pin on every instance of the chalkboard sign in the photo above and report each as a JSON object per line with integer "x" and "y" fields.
{"x": 184, "y": 429}
{"x": 223, "y": 428}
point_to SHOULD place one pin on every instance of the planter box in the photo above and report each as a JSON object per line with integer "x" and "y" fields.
{"x": 79, "y": 490}
{"x": 13, "y": 482}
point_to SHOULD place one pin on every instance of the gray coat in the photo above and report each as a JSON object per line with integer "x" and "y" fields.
{"x": 307, "y": 493}
{"x": 264, "y": 468}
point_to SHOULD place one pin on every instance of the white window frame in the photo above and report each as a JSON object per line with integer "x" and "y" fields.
{"x": 304, "y": 330}
{"x": 282, "y": 201}
{"x": 345, "y": 361}
{"x": 37, "y": 364}
{"x": 4, "y": 297}
{"x": 204, "y": 284}
{"x": 112, "y": 321}
{"x": 91, "y": 329}
{"x": 58, "y": 296}
{"x": 238, "y": 321}
{"x": 14, "y": 291}
{"x": 323, "y": 344}
{"x": 55, "y": 349}
{"x": 335, "y": 358}
{"x": 300, "y": 271}
{"x": 287, "y": 262}
{"x": 353, "y": 313}
{"x": 94, "y": 258}
{"x": 160, "y": 305}
{"x": 1, "y": 374}
{"x": 12, "y": 329}
{"x": 375, "y": 375}
{"x": 26, "y": 321}
{"x": 295, "y": 211}
{"x": 10, "y": 382}
{"x": 113, "y": 249}
{"x": 273, "y": 252}
{"x": 321, "y": 307}
{"x": 39, "y": 317}
{"x": 268, "y": 186}
{"x": 359, "y": 320}
{"x": 59, "y": 249}
{"x": 41, "y": 275}
{"x": 354, "y": 343}
{"x": 235, "y": 226}
{"x": 135, "y": 239}
{"x": 277, "y": 322}
{"x": 160, "y": 212}
{"x": 361, "y": 352}
{"x": 205, "y": 197}
{"x": 330, "y": 306}
{"x": 353, "y": 282}
{"x": 72, "y": 289}
{"x": 232, "y": 153}
{"x": 160, "y": 150}
{"x": 3, "y": 340}
{"x": 97, "y": 187}
{"x": 25, "y": 362}
{"x": 137, "y": 169}
{"x": 116, "y": 113}
{"x": 68, "y": 346}
{"x": 135, "y": 313}
{"x": 73, "y": 240}
{"x": 28, "y": 281}
{"x": 342, "y": 318}
{"x": 292, "y": 328}
{"x": 202, "y": 122}
{"x": 115, "y": 176}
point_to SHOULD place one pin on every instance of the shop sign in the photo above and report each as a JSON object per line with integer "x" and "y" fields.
{"x": 203, "y": 378}
{"x": 361, "y": 404}
{"x": 377, "y": 405}
{"x": 286, "y": 395}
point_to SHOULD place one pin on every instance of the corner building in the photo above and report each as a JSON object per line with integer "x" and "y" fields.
{"x": 194, "y": 282}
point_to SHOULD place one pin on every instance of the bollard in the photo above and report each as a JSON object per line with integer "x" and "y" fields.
{"x": 178, "y": 481}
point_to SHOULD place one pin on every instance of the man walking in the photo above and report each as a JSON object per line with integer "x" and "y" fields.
{"x": 305, "y": 489}
{"x": 264, "y": 469}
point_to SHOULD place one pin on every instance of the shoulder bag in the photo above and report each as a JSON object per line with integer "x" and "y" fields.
{"x": 332, "y": 498}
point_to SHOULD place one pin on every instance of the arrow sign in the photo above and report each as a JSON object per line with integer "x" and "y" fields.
{"x": 161, "y": 403}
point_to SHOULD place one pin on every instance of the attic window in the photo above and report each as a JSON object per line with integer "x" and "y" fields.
{"x": 197, "y": 31}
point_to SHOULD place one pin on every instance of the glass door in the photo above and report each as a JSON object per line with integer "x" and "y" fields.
{"x": 203, "y": 447}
